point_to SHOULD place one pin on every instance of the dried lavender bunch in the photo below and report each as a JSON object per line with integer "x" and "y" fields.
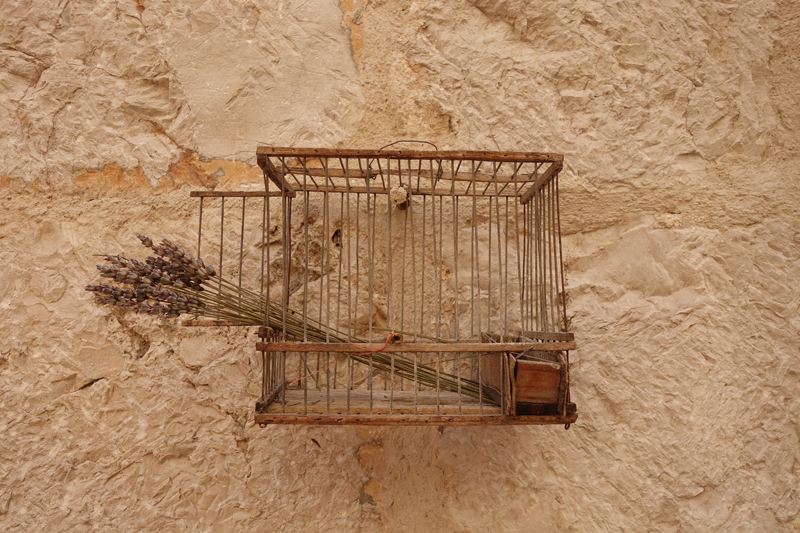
{"x": 173, "y": 283}
{"x": 163, "y": 284}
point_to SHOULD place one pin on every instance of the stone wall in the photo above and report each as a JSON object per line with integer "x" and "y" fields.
{"x": 679, "y": 123}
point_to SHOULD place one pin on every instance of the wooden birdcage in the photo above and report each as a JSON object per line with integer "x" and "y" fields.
{"x": 406, "y": 287}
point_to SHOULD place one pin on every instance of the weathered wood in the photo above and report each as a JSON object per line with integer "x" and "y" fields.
{"x": 492, "y": 375}
{"x": 563, "y": 384}
{"x": 519, "y": 157}
{"x": 538, "y": 382}
{"x": 510, "y": 391}
{"x": 272, "y": 173}
{"x": 271, "y": 397}
{"x": 411, "y": 347}
{"x": 541, "y": 181}
{"x": 419, "y": 420}
{"x": 234, "y": 194}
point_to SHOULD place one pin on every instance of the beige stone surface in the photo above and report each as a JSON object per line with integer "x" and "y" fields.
{"x": 679, "y": 122}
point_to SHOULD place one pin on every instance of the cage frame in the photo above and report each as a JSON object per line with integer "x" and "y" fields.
{"x": 516, "y": 374}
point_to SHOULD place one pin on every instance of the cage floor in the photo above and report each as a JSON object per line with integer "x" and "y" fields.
{"x": 383, "y": 403}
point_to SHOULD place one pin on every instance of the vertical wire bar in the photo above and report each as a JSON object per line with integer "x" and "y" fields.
{"x": 326, "y": 246}
{"x": 526, "y": 280}
{"x": 389, "y": 258}
{"x": 349, "y": 280}
{"x": 549, "y": 257}
{"x": 414, "y": 282}
{"x": 554, "y": 270}
{"x": 283, "y": 382}
{"x": 349, "y": 382}
{"x": 438, "y": 403}
{"x": 241, "y": 249}
{"x": 489, "y": 273}
{"x": 326, "y": 242}
{"x": 370, "y": 250}
{"x": 503, "y": 377}
{"x": 436, "y": 266}
{"x": 358, "y": 243}
{"x": 480, "y": 385}
{"x": 520, "y": 260}
{"x": 546, "y": 257}
{"x": 263, "y": 246}
{"x": 422, "y": 281}
{"x": 505, "y": 275}
{"x": 284, "y": 259}
{"x": 454, "y": 200}
{"x": 543, "y": 255}
{"x": 503, "y": 303}
{"x": 405, "y": 245}
{"x": 200, "y": 229}
{"x": 389, "y": 322}
{"x": 371, "y": 216}
{"x": 530, "y": 276}
{"x": 416, "y": 383}
{"x": 456, "y": 327}
{"x": 561, "y": 257}
{"x": 304, "y": 355}
{"x": 221, "y": 237}
{"x": 523, "y": 276}
{"x": 266, "y": 243}
{"x": 323, "y": 268}
{"x": 370, "y": 383}
{"x": 440, "y": 273}
{"x": 320, "y": 299}
{"x": 339, "y": 285}
{"x": 349, "y": 252}
{"x": 535, "y": 224}
{"x": 391, "y": 387}
{"x": 289, "y": 247}
{"x": 403, "y": 259}
{"x": 458, "y": 374}
{"x": 472, "y": 274}
{"x": 477, "y": 282}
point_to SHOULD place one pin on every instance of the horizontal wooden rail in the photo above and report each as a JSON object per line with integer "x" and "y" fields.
{"x": 234, "y": 194}
{"x": 413, "y": 420}
{"x": 427, "y": 347}
{"x": 519, "y": 157}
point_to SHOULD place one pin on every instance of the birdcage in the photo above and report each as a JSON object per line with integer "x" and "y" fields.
{"x": 404, "y": 286}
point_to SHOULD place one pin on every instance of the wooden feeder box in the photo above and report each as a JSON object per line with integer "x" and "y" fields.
{"x": 412, "y": 287}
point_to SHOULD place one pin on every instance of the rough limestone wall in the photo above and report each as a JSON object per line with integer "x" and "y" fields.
{"x": 679, "y": 121}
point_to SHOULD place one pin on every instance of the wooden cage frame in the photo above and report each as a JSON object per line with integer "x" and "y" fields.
{"x": 519, "y": 363}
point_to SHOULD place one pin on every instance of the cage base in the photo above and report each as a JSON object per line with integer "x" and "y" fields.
{"x": 411, "y": 420}
{"x": 405, "y": 408}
